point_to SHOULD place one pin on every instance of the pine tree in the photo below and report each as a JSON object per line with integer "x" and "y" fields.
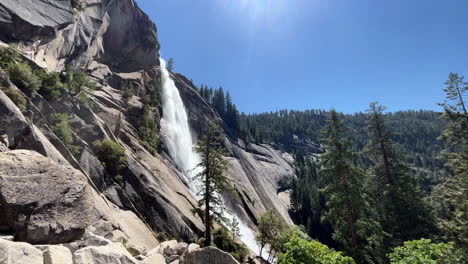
{"x": 450, "y": 199}
{"x": 170, "y": 64}
{"x": 405, "y": 216}
{"x": 346, "y": 200}
{"x": 219, "y": 102}
{"x": 212, "y": 181}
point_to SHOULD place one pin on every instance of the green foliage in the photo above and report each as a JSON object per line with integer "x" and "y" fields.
{"x": 271, "y": 228}
{"x": 127, "y": 90}
{"x": 8, "y": 56}
{"x": 234, "y": 229}
{"x": 307, "y": 202}
{"x": 130, "y": 250}
{"x": 17, "y": 98}
{"x": 78, "y": 84}
{"x": 450, "y": 198}
{"x": 162, "y": 236}
{"x": 301, "y": 251}
{"x": 223, "y": 105}
{"x": 51, "y": 85}
{"x": 299, "y": 131}
{"x": 424, "y": 251}
{"x": 170, "y": 64}
{"x": 404, "y": 213}
{"x": 347, "y": 203}
{"x": 149, "y": 129}
{"x": 224, "y": 241}
{"x": 212, "y": 181}
{"x": 61, "y": 128}
{"x": 22, "y": 76}
{"x": 111, "y": 155}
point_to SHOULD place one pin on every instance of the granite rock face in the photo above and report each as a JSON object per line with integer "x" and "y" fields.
{"x": 114, "y": 253}
{"x": 41, "y": 201}
{"x": 210, "y": 255}
{"x": 19, "y": 253}
{"x": 114, "y": 42}
{"x": 56, "y": 32}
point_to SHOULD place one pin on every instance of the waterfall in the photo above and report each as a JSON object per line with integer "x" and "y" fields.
{"x": 175, "y": 129}
{"x": 177, "y": 137}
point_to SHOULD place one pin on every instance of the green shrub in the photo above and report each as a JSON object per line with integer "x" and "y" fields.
{"x": 300, "y": 251}
{"x": 149, "y": 131}
{"x": 78, "y": 84}
{"x": 9, "y": 55}
{"x": 127, "y": 90}
{"x": 423, "y": 251}
{"x": 50, "y": 85}
{"x": 111, "y": 155}
{"x": 17, "y": 98}
{"x": 23, "y": 77}
{"x": 162, "y": 236}
{"x": 223, "y": 240}
{"x": 61, "y": 128}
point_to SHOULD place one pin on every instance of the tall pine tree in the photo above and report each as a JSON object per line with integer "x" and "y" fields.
{"x": 346, "y": 200}
{"x": 451, "y": 198}
{"x": 212, "y": 181}
{"x": 404, "y": 213}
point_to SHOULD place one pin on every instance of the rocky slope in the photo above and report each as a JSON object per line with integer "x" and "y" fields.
{"x": 115, "y": 41}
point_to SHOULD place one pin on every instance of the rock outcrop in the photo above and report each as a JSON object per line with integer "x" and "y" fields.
{"x": 54, "y": 254}
{"x": 210, "y": 255}
{"x": 55, "y": 33}
{"x": 19, "y": 253}
{"x": 114, "y": 42}
{"x": 113, "y": 253}
{"x": 41, "y": 201}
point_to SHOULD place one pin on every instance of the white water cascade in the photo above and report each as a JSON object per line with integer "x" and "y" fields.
{"x": 177, "y": 137}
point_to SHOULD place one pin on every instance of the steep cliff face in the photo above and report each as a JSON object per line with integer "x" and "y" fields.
{"x": 55, "y": 33}
{"x": 115, "y": 41}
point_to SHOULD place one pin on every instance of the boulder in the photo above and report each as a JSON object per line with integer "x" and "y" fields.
{"x": 209, "y": 255}
{"x": 192, "y": 247}
{"x": 114, "y": 253}
{"x": 41, "y": 201}
{"x": 90, "y": 239}
{"x": 169, "y": 248}
{"x": 54, "y": 254}
{"x": 19, "y": 253}
{"x": 172, "y": 258}
{"x": 155, "y": 258}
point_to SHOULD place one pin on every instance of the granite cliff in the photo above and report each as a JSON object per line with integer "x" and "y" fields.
{"x": 115, "y": 42}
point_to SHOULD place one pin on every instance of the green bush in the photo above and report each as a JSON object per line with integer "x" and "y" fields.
{"x": 78, "y": 84}
{"x": 23, "y": 77}
{"x": 9, "y": 55}
{"x": 300, "y": 251}
{"x": 149, "y": 130}
{"x": 61, "y": 128}
{"x": 50, "y": 85}
{"x": 127, "y": 90}
{"x": 162, "y": 236}
{"x": 17, "y": 98}
{"x": 223, "y": 240}
{"x": 423, "y": 251}
{"x": 111, "y": 155}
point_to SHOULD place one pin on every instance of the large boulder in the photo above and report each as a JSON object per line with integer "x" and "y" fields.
{"x": 114, "y": 253}
{"x": 54, "y": 254}
{"x": 19, "y": 253}
{"x": 155, "y": 258}
{"x": 205, "y": 255}
{"x": 41, "y": 201}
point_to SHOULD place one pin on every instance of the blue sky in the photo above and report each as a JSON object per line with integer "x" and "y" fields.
{"x": 316, "y": 54}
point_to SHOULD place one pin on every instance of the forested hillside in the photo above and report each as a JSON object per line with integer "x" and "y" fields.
{"x": 369, "y": 182}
